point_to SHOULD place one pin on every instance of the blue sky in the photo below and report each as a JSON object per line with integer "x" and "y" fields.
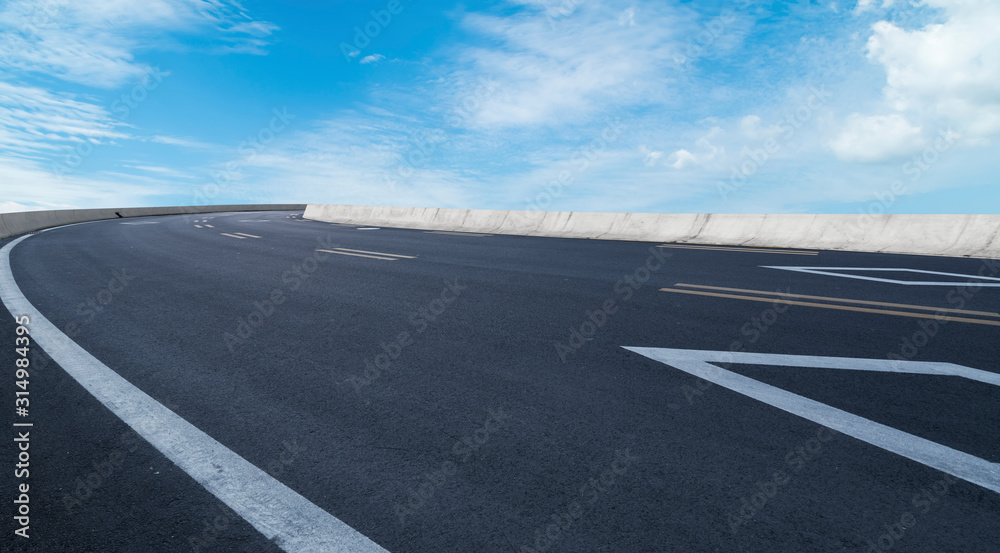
{"x": 569, "y": 105}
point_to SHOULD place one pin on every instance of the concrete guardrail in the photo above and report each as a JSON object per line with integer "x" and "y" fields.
{"x": 12, "y": 224}
{"x": 952, "y": 235}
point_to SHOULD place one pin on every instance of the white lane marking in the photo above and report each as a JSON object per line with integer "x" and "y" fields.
{"x": 378, "y": 253}
{"x": 247, "y": 235}
{"x": 197, "y": 226}
{"x": 233, "y": 235}
{"x": 383, "y": 258}
{"x": 254, "y": 221}
{"x": 832, "y": 271}
{"x": 209, "y": 226}
{"x": 143, "y": 223}
{"x": 962, "y": 465}
{"x": 275, "y": 510}
{"x": 368, "y": 228}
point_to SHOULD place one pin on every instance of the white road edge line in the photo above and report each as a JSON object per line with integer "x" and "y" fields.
{"x": 291, "y": 521}
{"x": 956, "y": 463}
{"x": 832, "y": 271}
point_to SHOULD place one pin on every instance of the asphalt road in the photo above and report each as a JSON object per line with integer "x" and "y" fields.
{"x": 443, "y": 392}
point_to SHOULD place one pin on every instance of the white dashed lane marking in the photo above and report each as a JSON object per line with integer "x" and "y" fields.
{"x": 968, "y": 280}
{"x": 365, "y": 253}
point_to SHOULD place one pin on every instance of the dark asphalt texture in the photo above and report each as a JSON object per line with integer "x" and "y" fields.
{"x": 476, "y": 409}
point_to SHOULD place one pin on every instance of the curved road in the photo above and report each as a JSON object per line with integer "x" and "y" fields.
{"x": 448, "y": 392}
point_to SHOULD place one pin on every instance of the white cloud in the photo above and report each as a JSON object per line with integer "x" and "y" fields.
{"x": 45, "y": 135}
{"x": 165, "y": 171}
{"x": 13, "y": 207}
{"x": 685, "y": 159}
{"x": 33, "y": 120}
{"x": 649, "y": 157}
{"x": 182, "y": 142}
{"x": 93, "y": 42}
{"x": 942, "y": 77}
{"x": 627, "y": 18}
{"x": 867, "y": 5}
{"x": 372, "y": 59}
{"x": 682, "y": 159}
{"x": 870, "y": 138}
{"x": 950, "y": 70}
{"x": 567, "y": 70}
{"x": 25, "y": 181}
{"x": 750, "y": 127}
{"x": 359, "y": 159}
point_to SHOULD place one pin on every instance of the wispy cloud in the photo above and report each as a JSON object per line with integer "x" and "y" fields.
{"x": 373, "y": 58}
{"x": 183, "y": 142}
{"x": 93, "y": 42}
{"x": 22, "y": 180}
{"x": 47, "y": 128}
{"x": 568, "y": 69}
{"x": 35, "y": 121}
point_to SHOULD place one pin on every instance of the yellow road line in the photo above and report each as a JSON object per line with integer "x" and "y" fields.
{"x": 838, "y": 307}
{"x": 842, "y": 300}
{"x": 361, "y": 255}
{"x": 247, "y": 235}
{"x": 233, "y": 236}
{"x": 378, "y": 253}
{"x": 735, "y": 249}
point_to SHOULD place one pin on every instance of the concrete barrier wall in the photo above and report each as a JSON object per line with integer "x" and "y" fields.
{"x": 12, "y": 224}
{"x": 953, "y": 235}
